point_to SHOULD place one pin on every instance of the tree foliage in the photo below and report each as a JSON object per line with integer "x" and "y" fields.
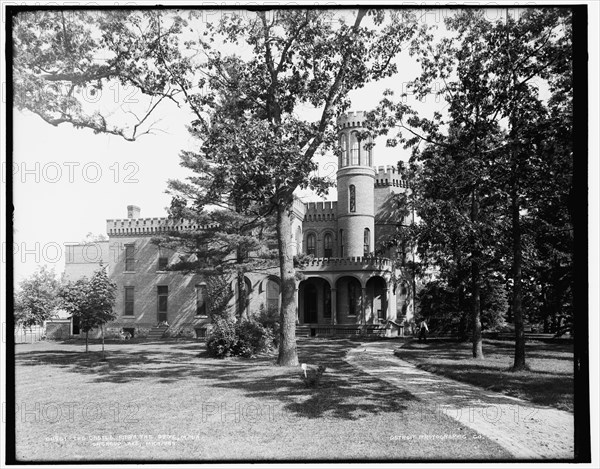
{"x": 90, "y": 300}
{"x": 508, "y": 87}
{"x": 255, "y": 138}
{"x": 36, "y": 300}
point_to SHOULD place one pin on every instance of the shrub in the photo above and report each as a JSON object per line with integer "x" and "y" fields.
{"x": 241, "y": 339}
{"x": 112, "y": 333}
{"x": 269, "y": 318}
{"x": 254, "y": 337}
{"x": 222, "y": 338}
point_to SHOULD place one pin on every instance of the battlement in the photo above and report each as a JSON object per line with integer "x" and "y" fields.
{"x": 320, "y": 211}
{"x": 352, "y": 119}
{"x": 388, "y": 176}
{"x": 148, "y": 226}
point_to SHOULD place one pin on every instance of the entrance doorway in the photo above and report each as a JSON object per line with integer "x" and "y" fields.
{"x": 310, "y": 303}
{"x": 76, "y": 326}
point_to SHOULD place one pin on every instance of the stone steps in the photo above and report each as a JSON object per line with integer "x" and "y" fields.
{"x": 157, "y": 332}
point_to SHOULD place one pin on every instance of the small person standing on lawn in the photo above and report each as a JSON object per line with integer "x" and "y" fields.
{"x": 423, "y": 330}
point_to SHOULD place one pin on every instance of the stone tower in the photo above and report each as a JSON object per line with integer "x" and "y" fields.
{"x": 355, "y": 187}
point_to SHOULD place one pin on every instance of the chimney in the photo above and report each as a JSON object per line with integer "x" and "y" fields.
{"x": 133, "y": 211}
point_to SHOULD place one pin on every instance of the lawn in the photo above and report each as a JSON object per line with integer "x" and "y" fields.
{"x": 168, "y": 401}
{"x": 549, "y": 381}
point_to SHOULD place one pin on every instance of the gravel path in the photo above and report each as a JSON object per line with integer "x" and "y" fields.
{"x": 526, "y": 430}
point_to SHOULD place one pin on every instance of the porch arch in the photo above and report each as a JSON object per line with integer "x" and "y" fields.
{"x": 315, "y": 304}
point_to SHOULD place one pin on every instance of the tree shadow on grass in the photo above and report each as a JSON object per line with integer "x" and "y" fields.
{"x": 543, "y": 388}
{"x": 344, "y": 392}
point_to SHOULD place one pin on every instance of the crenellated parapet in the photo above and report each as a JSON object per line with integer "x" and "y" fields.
{"x": 352, "y": 119}
{"x": 388, "y": 176}
{"x": 320, "y": 211}
{"x": 148, "y": 226}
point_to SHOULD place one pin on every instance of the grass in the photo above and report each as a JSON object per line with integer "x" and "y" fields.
{"x": 168, "y": 401}
{"x": 549, "y": 380}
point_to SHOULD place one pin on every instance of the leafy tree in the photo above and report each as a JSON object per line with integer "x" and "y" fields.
{"x": 490, "y": 73}
{"x": 36, "y": 300}
{"x": 296, "y": 58}
{"x": 91, "y": 301}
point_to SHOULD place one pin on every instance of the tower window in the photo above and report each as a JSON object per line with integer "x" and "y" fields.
{"x": 367, "y": 241}
{"x": 341, "y": 243}
{"x": 355, "y": 153}
{"x": 369, "y": 153}
{"x": 344, "y": 144}
{"x": 352, "y": 197}
{"x": 311, "y": 241}
{"x": 327, "y": 245}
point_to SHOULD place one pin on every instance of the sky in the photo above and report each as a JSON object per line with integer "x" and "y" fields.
{"x": 68, "y": 182}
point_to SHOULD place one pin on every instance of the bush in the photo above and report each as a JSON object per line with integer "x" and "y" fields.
{"x": 243, "y": 339}
{"x": 269, "y": 318}
{"x": 112, "y": 333}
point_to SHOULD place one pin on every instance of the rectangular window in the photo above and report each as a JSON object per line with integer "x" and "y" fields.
{"x": 201, "y": 300}
{"x": 311, "y": 242}
{"x": 163, "y": 295}
{"x": 129, "y": 301}
{"x": 163, "y": 262}
{"x": 129, "y": 258}
{"x": 327, "y": 246}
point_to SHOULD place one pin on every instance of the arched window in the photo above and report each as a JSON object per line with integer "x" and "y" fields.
{"x": 352, "y": 198}
{"x": 367, "y": 241}
{"x": 311, "y": 242}
{"x": 344, "y": 145}
{"x": 368, "y": 153}
{"x": 341, "y": 243}
{"x": 272, "y": 295}
{"x": 327, "y": 245}
{"x": 355, "y": 151}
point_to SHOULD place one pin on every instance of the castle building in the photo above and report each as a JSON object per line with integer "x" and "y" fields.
{"x": 349, "y": 283}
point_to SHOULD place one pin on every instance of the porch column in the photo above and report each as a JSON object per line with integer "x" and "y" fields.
{"x": 334, "y": 306}
{"x": 296, "y": 302}
{"x": 363, "y": 304}
{"x": 391, "y": 303}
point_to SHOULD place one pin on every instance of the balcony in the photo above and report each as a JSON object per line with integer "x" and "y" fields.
{"x": 339, "y": 264}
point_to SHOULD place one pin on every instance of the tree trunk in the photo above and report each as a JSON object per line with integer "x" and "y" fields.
{"x": 475, "y": 286}
{"x": 464, "y": 320}
{"x": 288, "y": 355}
{"x": 86, "y": 341}
{"x": 517, "y": 298}
{"x": 476, "y": 311}
{"x": 242, "y": 313}
{"x": 103, "y": 356}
